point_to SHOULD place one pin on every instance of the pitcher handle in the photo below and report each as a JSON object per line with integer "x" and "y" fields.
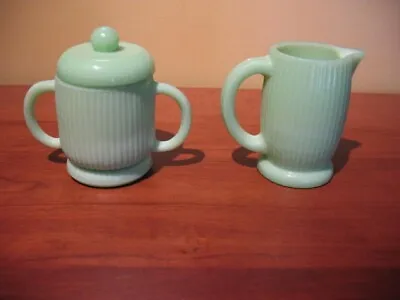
{"x": 29, "y": 113}
{"x": 247, "y": 68}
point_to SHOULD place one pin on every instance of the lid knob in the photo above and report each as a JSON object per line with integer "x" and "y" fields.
{"x": 105, "y": 39}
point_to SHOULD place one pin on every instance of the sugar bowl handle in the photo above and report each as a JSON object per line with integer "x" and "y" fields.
{"x": 29, "y": 113}
{"x": 186, "y": 118}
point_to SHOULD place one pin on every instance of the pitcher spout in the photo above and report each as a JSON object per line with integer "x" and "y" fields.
{"x": 354, "y": 55}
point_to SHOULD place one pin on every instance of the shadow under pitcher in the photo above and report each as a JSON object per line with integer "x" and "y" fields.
{"x": 105, "y": 104}
{"x": 305, "y": 98}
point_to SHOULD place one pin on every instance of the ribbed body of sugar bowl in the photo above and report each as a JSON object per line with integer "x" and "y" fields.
{"x": 105, "y": 103}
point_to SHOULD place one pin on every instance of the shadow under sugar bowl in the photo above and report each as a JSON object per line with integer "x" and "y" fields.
{"x": 105, "y": 105}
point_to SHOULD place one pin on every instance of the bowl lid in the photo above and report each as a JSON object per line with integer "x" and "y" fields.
{"x": 104, "y": 61}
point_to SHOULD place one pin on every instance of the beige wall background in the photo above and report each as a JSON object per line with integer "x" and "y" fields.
{"x": 196, "y": 43}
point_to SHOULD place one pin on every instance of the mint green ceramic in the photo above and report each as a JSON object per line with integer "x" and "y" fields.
{"x": 105, "y": 103}
{"x": 104, "y": 62}
{"x": 305, "y": 97}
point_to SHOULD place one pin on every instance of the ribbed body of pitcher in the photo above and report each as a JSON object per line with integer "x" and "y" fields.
{"x": 106, "y": 129}
{"x": 304, "y": 110}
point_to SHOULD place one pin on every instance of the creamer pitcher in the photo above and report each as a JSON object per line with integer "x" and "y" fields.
{"x": 305, "y": 98}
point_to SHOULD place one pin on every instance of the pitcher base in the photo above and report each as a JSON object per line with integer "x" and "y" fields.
{"x": 294, "y": 179}
{"x": 112, "y": 178}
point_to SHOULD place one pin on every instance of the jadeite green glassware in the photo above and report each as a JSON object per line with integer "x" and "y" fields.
{"x": 305, "y": 97}
{"x": 105, "y": 104}
{"x": 104, "y": 62}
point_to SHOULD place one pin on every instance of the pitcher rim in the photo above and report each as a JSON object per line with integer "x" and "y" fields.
{"x": 275, "y": 50}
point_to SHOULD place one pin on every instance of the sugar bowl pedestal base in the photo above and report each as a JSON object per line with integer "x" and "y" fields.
{"x": 111, "y": 178}
{"x": 294, "y": 179}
